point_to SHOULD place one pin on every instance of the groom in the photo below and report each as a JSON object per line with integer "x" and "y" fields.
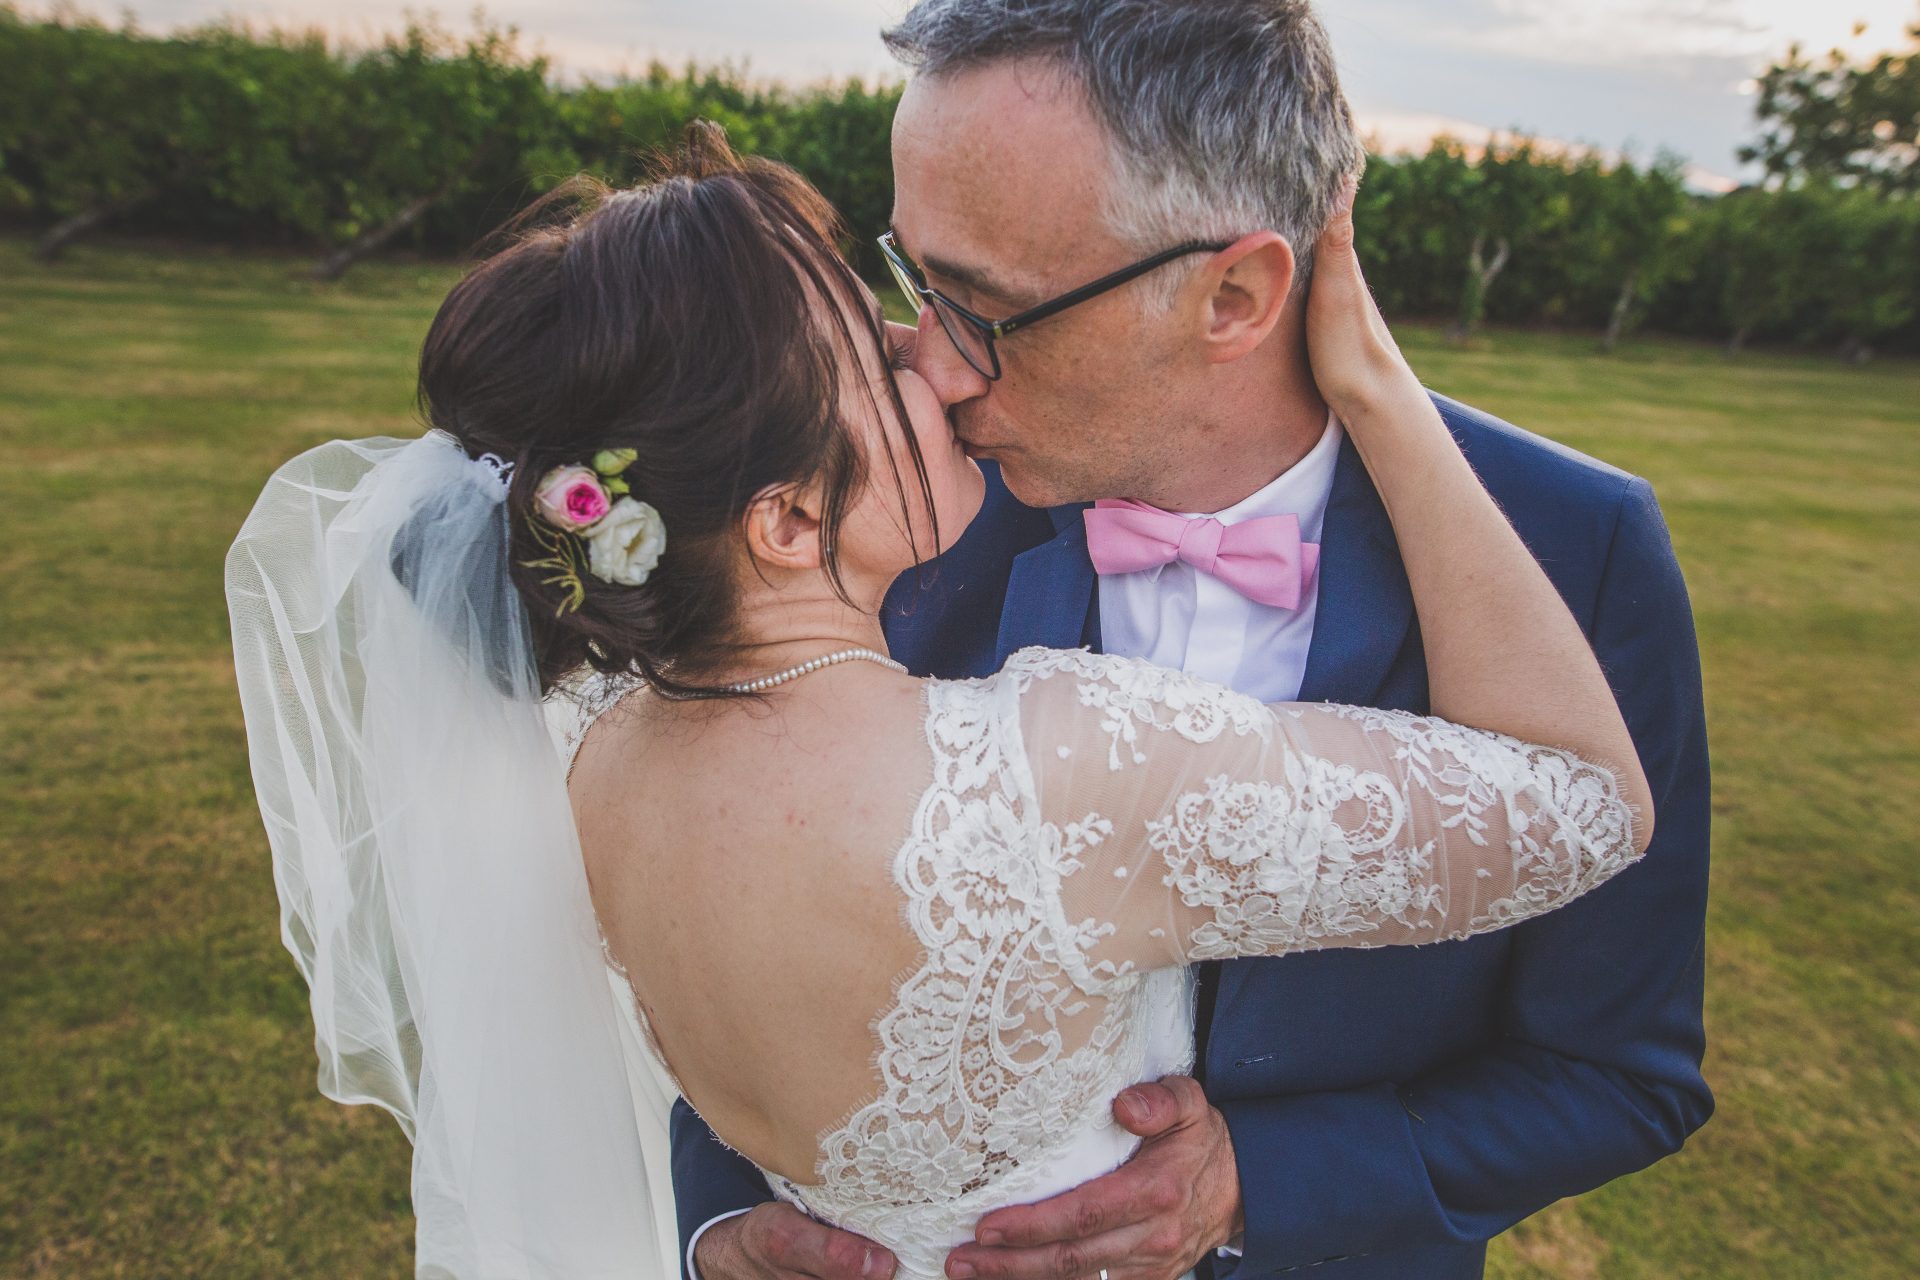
{"x": 1376, "y": 1115}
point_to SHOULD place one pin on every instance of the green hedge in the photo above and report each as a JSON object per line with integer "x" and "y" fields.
{"x": 428, "y": 141}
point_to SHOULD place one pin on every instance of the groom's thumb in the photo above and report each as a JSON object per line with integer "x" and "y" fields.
{"x": 1150, "y": 1109}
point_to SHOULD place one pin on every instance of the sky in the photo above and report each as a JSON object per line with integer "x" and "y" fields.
{"x": 1624, "y": 75}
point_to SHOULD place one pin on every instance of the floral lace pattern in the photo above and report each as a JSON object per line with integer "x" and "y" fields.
{"x": 981, "y": 1077}
{"x": 1238, "y": 849}
{"x": 1307, "y": 849}
{"x": 1131, "y": 695}
{"x": 1568, "y": 829}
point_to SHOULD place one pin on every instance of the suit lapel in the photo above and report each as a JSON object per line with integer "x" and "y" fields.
{"x": 1050, "y": 593}
{"x": 1365, "y": 604}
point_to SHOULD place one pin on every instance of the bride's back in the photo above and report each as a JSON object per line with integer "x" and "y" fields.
{"x": 741, "y": 861}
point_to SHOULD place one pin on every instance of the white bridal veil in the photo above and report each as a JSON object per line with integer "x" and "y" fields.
{"x": 430, "y": 879}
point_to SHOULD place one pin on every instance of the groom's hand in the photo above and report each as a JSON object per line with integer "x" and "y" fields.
{"x": 1150, "y": 1219}
{"x": 775, "y": 1241}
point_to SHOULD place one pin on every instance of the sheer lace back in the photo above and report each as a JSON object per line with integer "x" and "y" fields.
{"x": 996, "y": 1054}
{"x": 1092, "y": 825}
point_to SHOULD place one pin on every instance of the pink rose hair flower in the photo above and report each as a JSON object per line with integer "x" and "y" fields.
{"x": 573, "y": 498}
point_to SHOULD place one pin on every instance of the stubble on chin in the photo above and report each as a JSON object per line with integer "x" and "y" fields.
{"x": 1036, "y": 488}
{"x": 1077, "y": 464}
{"x": 1026, "y": 488}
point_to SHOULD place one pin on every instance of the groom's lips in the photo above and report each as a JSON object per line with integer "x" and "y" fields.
{"x": 974, "y": 446}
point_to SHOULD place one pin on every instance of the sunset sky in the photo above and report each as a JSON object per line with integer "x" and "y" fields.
{"x": 1615, "y": 73}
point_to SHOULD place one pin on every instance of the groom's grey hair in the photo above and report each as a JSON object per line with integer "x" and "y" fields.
{"x": 1225, "y": 116}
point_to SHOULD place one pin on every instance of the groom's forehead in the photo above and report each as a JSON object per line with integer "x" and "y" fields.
{"x": 1001, "y": 169}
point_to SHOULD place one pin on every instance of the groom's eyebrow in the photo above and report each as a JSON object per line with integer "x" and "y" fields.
{"x": 978, "y": 279}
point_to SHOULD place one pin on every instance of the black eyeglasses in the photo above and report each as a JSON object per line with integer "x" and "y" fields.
{"x": 973, "y": 336}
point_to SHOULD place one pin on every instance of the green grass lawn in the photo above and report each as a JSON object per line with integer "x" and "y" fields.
{"x": 157, "y": 1109}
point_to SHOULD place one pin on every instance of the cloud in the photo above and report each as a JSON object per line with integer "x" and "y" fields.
{"x": 1639, "y": 74}
{"x": 1594, "y": 73}
{"x": 1635, "y": 33}
{"x": 1626, "y": 33}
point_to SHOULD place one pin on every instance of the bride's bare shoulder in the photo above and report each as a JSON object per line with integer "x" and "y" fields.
{"x": 835, "y": 763}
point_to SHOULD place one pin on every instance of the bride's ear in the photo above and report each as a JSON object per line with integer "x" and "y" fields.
{"x": 782, "y": 526}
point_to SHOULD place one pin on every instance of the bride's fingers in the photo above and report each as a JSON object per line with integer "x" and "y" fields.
{"x": 1337, "y": 238}
{"x": 1355, "y": 359}
{"x": 1336, "y": 267}
{"x": 1339, "y": 289}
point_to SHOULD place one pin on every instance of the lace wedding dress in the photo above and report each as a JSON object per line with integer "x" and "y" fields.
{"x": 1092, "y": 826}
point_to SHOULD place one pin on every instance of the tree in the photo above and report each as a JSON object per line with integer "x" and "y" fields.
{"x": 1519, "y": 199}
{"x": 425, "y": 116}
{"x": 1862, "y": 274}
{"x": 100, "y": 123}
{"x": 85, "y": 120}
{"x": 1627, "y": 240}
{"x": 1767, "y": 246}
{"x": 17, "y": 94}
{"x": 247, "y": 125}
{"x": 841, "y": 140}
{"x": 1835, "y": 120}
{"x": 1408, "y": 232}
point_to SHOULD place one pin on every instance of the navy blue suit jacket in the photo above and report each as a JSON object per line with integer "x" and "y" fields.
{"x": 1392, "y": 1110}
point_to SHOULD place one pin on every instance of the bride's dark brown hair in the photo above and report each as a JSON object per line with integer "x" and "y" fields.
{"x": 691, "y": 320}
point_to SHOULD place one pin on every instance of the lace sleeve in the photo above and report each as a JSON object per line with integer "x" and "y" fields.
{"x": 1192, "y": 823}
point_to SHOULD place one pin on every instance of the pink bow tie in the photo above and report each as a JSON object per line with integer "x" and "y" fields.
{"x": 1264, "y": 559}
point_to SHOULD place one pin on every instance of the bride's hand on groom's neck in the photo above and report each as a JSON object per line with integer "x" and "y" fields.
{"x": 1173, "y": 1202}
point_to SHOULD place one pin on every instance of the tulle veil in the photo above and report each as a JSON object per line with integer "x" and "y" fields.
{"x": 430, "y": 880}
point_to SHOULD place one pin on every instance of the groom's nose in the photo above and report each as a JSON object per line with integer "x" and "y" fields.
{"x": 937, "y": 360}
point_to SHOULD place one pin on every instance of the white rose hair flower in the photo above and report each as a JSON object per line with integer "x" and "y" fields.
{"x": 626, "y": 544}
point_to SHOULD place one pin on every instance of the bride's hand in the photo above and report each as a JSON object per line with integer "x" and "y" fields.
{"x": 1356, "y": 363}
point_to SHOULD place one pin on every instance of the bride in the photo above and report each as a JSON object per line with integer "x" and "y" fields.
{"x": 898, "y": 941}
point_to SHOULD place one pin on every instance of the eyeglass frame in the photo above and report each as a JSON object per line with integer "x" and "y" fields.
{"x": 913, "y": 283}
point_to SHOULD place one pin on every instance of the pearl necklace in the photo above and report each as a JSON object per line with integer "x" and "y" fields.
{"x": 805, "y": 668}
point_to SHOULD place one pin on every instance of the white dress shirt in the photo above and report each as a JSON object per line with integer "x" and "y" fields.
{"x": 1175, "y": 616}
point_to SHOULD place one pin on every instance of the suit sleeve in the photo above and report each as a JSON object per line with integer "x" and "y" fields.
{"x": 709, "y": 1179}
{"x": 1597, "y": 1072}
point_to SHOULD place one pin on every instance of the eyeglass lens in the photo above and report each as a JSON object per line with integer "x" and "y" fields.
{"x": 967, "y": 338}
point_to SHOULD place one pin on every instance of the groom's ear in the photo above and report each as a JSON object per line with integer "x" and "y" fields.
{"x": 782, "y": 527}
{"x": 1248, "y": 285}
